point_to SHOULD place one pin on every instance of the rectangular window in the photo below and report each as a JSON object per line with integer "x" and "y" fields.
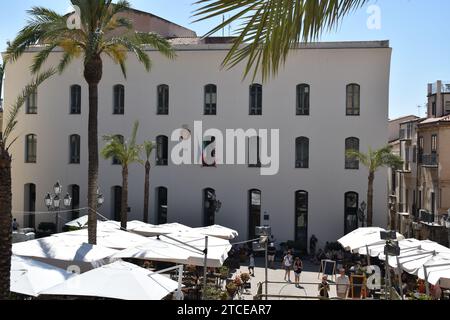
{"x": 433, "y": 202}
{"x": 447, "y": 107}
{"x": 254, "y": 152}
{"x": 303, "y": 96}
{"x": 74, "y": 149}
{"x": 31, "y": 104}
{"x": 163, "y": 100}
{"x": 433, "y": 109}
{"x": 210, "y": 100}
{"x": 75, "y": 99}
{"x": 31, "y": 148}
{"x": 256, "y": 100}
{"x": 434, "y": 145}
{"x": 353, "y": 100}
{"x": 119, "y": 100}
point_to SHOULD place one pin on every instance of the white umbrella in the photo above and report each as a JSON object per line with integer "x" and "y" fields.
{"x": 30, "y": 277}
{"x": 378, "y": 248}
{"x": 437, "y": 269}
{"x": 218, "y": 231}
{"x": 119, "y": 280}
{"x": 81, "y": 222}
{"x": 363, "y": 237}
{"x": 107, "y": 236}
{"x": 63, "y": 253}
{"x": 167, "y": 250}
{"x": 156, "y": 230}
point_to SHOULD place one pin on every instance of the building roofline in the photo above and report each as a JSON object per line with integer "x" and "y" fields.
{"x": 226, "y": 47}
{"x": 404, "y": 117}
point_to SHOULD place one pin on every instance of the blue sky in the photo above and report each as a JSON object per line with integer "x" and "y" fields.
{"x": 417, "y": 29}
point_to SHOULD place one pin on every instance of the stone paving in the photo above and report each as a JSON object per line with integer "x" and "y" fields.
{"x": 309, "y": 275}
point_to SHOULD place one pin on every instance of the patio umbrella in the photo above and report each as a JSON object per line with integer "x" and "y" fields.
{"x": 119, "y": 280}
{"x": 374, "y": 250}
{"x": 363, "y": 237}
{"x": 156, "y": 230}
{"x": 436, "y": 269}
{"x": 81, "y": 222}
{"x": 30, "y": 277}
{"x": 63, "y": 253}
{"x": 180, "y": 248}
{"x": 218, "y": 231}
{"x": 107, "y": 236}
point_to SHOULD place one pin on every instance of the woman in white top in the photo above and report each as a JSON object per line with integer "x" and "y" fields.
{"x": 287, "y": 265}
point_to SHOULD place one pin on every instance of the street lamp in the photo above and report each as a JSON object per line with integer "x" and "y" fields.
{"x": 53, "y": 202}
{"x": 264, "y": 233}
{"x": 362, "y": 213}
{"x": 100, "y": 199}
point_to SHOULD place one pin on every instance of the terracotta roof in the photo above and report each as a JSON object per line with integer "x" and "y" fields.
{"x": 436, "y": 120}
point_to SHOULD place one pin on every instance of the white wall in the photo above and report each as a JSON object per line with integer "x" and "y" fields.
{"x": 328, "y": 71}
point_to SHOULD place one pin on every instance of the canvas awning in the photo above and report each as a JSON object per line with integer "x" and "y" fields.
{"x": 363, "y": 237}
{"x": 119, "y": 280}
{"x": 218, "y": 231}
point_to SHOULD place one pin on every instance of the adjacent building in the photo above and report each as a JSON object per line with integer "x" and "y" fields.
{"x": 329, "y": 98}
{"x": 422, "y": 193}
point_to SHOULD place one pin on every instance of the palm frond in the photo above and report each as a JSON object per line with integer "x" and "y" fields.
{"x": 270, "y": 28}
{"x": 149, "y": 146}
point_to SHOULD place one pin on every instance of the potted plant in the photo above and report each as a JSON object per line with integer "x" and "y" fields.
{"x": 224, "y": 272}
{"x": 232, "y": 289}
{"x": 245, "y": 277}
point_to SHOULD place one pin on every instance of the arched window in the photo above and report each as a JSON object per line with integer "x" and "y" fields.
{"x": 353, "y": 99}
{"x": 119, "y": 99}
{"x": 75, "y": 147}
{"x": 75, "y": 99}
{"x": 116, "y": 161}
{"x": 32, "y": 103}
{"x": 162, "y": 151}
{"x": 161, "y": 209}
{"x": 303, "y": 96}
{"x": 117, "y": 202}
{"x": 31, "y": 148}
{"x": 351, "y": 211}
{"x": 254, "y": 210}
{"x": 163, "y": 99}
{"x": 302, "y": 153}
{"x": 256, "y": 98}
{"x": 210, "y": 100}
{"x": 30, "y": 204}
{"x": 301, "y": 219}
{"x": 209, "y": 207}
{"x": 351, "y": 144}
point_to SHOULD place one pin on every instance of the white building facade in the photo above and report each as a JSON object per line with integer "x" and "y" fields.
{"x": 329, "y": 97}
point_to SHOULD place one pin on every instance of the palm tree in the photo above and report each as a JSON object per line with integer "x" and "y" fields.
{"x": 148, "y": 148}
{"x": 126, "y": 153}
{"x": 6, "y": 141}
{"x": 269, "y": 29}
{"x": 374, "y": 160}
{"x": 101, "y": 32}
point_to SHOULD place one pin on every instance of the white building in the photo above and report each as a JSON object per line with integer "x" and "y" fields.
{"x": 345, "y": 102}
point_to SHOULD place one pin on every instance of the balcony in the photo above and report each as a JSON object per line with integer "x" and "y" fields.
{"x": 405, "y": 135}
{"x": 445, "y": 87}
{"x": 430, "y": 160}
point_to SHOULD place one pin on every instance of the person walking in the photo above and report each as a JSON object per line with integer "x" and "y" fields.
{"x": 298, "y": 268}
{"x": 342, "y": 285}
{"x": 287, "y": 265}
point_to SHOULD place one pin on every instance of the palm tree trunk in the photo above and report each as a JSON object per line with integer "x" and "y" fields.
{"x": 146, "y": 190}
{"x": 5, "y": 223}
{"x": 93, "y": 71}
{"x": 124, "y": 209}
{"x": 370, "y": 199}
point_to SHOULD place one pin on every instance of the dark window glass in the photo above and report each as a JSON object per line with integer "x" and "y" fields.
{"x": 256, "y": 100}
{"x": 351, "y": 211}
{"x": 209, "y": 207}
{"x": 75, "y": 99}
{"x": 162, "y": 151}
{"x": 32, "y": 103}
{"x": 75, "y": 149}
{"x": 301, "y": 219}
{"x": 210, "y": 100}
{"x": 353, "y": 100}
{"x": 303, "y": 96}
{"x": 162, "y": 197}
{"x": 119, "y": 99}
{"x": 351, "y": 144}
{"x": 254, "y": 213}
{"x": 254, "y": 152}
{"x": 302, "y": 153}
{"x": 163, "y": 99}
{"x": 31, "y": 148}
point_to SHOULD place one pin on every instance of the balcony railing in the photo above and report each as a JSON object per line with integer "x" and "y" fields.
{"x": 445, "y": 88}
{"x": 430, "y": 160}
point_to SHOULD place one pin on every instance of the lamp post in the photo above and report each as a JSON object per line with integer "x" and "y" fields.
{"x": 264, "y": 233}
{"x": 54, "y": 202}
{"x": 100, "y": 199}
{"x": 362, "y": 213}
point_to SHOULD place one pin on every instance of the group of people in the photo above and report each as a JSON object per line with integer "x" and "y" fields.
{"x": 289, "y": 264}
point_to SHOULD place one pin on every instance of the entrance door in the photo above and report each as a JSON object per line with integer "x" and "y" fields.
{"x": 254, "y": 213}
{"x": 301, "y": 220}
{"x": 351, "y": 211}
{"x": 117, "y": 202}
{"x": 30, "y": 205}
